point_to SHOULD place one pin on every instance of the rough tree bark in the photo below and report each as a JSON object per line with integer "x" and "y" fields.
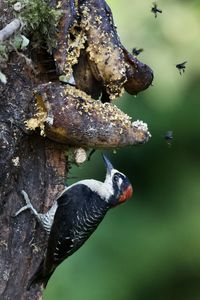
{"x": 30, "y": 107}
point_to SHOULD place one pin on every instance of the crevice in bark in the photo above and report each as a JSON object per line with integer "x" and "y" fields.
{"x": 44, "y": 64}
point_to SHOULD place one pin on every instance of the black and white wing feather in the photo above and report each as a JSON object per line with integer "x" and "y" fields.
{"x": 79, "y": 212}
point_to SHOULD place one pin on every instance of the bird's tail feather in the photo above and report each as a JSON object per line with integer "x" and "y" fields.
{"x": 39, "y": 277}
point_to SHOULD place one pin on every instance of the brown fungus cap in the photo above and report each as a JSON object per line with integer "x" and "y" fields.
{"x": 74, "y": 118}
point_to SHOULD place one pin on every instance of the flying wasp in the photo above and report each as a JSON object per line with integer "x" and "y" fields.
{"x": 136, "y": 51}
{"x": 155, "y": 10}
{"x": 181, "y": 67}
{"x": 169, "y": 137}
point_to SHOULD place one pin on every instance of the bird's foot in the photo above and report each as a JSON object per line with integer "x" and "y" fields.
{"x": 27, "y": 206}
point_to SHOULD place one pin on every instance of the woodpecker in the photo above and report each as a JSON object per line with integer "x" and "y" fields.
{"x": 75, "y": 215}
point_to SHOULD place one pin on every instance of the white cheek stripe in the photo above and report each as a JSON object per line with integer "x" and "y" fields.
{"x": 116, "y": 171}
{"x": 119, "y": 183}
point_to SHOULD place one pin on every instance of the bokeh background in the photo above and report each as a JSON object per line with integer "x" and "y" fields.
{"x": 149, "y": 248}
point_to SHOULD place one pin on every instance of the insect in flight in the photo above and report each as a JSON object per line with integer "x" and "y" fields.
{"x": 168, "y": 136}
{"x": 136, "y": 51}
{"x": 155, "y": 10}
{"x": 181, "y": 67}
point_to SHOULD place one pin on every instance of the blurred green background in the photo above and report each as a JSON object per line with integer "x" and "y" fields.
{"x": 149, "y": 248}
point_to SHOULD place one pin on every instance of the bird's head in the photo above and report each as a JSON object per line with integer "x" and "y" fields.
{"x": 118, "y": 183}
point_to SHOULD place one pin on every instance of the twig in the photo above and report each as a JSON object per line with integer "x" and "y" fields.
{"x": 9, "y": 29}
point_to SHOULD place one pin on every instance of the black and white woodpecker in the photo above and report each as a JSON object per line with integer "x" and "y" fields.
{"x": 75, "y": 215}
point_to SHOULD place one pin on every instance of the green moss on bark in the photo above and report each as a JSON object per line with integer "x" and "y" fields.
{"x": 39, "y": 19}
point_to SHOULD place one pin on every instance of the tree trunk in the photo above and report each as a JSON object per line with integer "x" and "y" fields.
{"x": 29, "y": 160}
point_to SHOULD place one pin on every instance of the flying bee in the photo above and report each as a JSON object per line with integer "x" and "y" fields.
{"x": 136, "y": 51}
{"x": 155, "y": 10}
{"x": 181, "y": 67}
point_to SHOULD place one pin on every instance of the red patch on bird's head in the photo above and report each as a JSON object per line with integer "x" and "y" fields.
{"x": 126, "y": 194}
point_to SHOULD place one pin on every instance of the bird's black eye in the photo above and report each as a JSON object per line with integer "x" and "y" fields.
{"x": 115, "y": 177}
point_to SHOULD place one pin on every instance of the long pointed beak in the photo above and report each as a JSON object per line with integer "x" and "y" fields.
{"x": 108, "y": 164}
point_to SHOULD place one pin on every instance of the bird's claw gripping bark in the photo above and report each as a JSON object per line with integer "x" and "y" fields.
{"x": 27, "y": 206}
{"x": 44, "y": 219}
